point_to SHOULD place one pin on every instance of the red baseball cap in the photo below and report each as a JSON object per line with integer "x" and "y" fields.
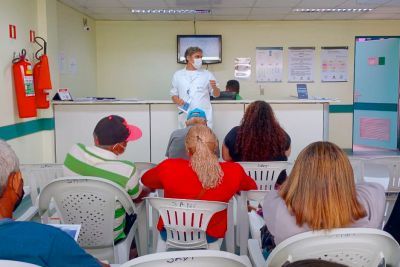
{"x": 114, "y": 129}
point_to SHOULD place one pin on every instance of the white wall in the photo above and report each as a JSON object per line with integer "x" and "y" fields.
{"x": 137, "y": 58}
{"x": 77, "y": 47}
{"x": 62, "y": 27}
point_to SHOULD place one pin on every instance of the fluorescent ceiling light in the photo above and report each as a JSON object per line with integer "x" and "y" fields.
{"x": 327, "y": 10}
{"x": 171, "y": 11}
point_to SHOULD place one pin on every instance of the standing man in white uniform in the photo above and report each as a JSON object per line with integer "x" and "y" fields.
{"x": 193, "y": 86}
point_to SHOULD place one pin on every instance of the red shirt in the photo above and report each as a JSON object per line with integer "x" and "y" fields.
{"x": 179, "y": 180}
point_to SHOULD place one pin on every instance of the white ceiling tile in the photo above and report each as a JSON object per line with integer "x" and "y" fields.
{"x": 99, "y": 3}
{"x": 277, "y": 3}
{"x": 392, "y": 3}
{"x": 267, "y": 17}
{"x": 144, "y": 3}
{"x": 338, "y": 16}
{"x": 378, "y": 16}
{"x": 194, "y": 17}
{"x": 270, "y": 10}
{"x": 156, "y": 17}
{"x": 230, "y": 11}
{"x": 229, "y": 17}
{"x": 357, "y": 4}
{"x": 303, "y": 16}
{"x": 116, "y": 17}
{"x": 383, "y": 10}
{"x": 233, "y": 3}
{"x": 189, "y": 3}
{"x": 320, "y": 4}
{"x": 111, "y": 10}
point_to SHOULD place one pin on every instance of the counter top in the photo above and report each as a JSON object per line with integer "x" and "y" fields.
{"x": 123, "y": 101}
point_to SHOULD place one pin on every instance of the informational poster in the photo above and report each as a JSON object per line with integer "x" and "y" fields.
{"x": 269, "y": 64}
{"x": 334, "y": 64}
{"x": 301, "y": 64}
{"x": 242, "y": 68}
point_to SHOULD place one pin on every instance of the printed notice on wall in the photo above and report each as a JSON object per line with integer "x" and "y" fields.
{"x": 242, "y": 68}
{"x": 269, "y": 62}
{"x": 301, "y": 64}
{"x": 334, "y": 64}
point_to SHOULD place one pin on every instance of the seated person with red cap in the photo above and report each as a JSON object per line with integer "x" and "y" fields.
{"x": 111, "y": 136}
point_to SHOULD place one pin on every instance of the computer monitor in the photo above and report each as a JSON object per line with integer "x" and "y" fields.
{"x": 225, "y": 95}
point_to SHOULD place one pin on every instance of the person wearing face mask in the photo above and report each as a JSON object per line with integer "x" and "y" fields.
{"x": 111, "y": 136}
{"x": 19, "y": 240}
{"x": 193, "y": 86}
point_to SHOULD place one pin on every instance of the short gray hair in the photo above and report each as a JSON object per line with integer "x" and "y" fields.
{"x": 9, "y": 163}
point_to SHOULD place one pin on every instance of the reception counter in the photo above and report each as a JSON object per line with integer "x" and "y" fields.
{"x": 305, "y": 121}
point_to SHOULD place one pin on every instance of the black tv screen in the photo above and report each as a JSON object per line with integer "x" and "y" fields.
{"x": 210, "y": 44}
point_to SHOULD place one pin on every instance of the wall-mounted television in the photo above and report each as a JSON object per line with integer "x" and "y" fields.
{"x": 210, "y": 44}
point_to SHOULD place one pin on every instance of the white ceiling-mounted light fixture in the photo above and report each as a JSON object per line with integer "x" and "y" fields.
{"x": 332, "y": 10}
{"x": 170, "y": 11}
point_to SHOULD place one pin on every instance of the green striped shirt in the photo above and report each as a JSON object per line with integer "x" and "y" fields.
{"x": 98, "y": 162}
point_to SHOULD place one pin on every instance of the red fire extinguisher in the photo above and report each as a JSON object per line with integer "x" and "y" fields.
{"x": 24, "y": 88}
{"x": 41, "y": 74}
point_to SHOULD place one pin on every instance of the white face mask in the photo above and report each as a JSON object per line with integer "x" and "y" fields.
{"x": 198, "y": 62}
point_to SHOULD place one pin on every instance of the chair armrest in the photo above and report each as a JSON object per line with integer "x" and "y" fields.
{"x": 255, "y": 254}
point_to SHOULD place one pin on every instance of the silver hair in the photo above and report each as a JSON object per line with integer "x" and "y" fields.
{"x": 8, "y": 163}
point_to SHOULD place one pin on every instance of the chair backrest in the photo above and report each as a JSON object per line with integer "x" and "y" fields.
{"x": 186, "y": 221}
{"x": 358, "y": 168}
{"x": 265, "y": 174}
{"x": 37, "y": 176}
{"x": 89, "y": 201}
{"x": 385, "y": 170}
{"x": 193, "y": 258}
{"x": 256, "y": 195}
{"x": 349, "y": 246}
{"x": 392, "y": 163}
{"x": 7, "y": 263}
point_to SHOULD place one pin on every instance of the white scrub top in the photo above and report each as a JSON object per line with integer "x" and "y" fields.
{"x": 194, "y": 87}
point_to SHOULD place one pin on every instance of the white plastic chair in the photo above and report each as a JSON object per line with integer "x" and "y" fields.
{"x": 36, "y": 176}
{"x": 385, "y": 170}
{"x": 142, "y": 234}
{"x": 7, "y": 263}
{"x": 142, "y": 167}
{"x": 193, "y": 258}
{"x": 265, "y": 174}
{"x": 358, "y": 168}
{"x": 185, "y": 222}
{"x": 353, "y": 247}
{"x": 91, "y": 202}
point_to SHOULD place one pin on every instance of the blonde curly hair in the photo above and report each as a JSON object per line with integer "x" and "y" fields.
{"x": 202, "y": 145}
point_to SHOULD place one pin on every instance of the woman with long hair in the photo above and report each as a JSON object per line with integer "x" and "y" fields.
{"x": 320, "y": 194}
{"x": 201, "y": 177}
{"x": 258, "y": 138}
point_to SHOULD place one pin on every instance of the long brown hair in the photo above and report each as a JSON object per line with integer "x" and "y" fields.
{"x": 260, "y": 137}
{"x": 202, "y": 143}
{"x": 320, "y": 190}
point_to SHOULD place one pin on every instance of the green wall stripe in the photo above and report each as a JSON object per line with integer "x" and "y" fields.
{"x": 9, "y": 132}
{"x": 340, "y": 108}
{"x": 376, "y": 106}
